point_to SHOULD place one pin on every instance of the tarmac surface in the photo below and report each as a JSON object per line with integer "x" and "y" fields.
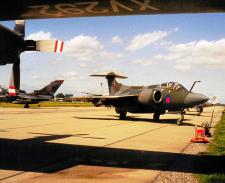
{"x": 87, "y": 144}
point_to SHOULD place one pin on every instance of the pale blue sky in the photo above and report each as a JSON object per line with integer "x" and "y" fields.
{"x": 148, "y": 49}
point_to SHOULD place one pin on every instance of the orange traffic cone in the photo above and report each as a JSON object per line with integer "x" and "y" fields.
{"x": 200, "y": 136}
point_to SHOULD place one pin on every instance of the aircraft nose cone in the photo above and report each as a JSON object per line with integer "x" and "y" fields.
{"x": 193, "y": 99}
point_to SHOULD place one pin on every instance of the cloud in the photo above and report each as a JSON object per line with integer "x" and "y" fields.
{"x": 117, "y": 40}
{"x": 87, "y": 48}
{"x": 36, "y": 77}
{"x": 71, "y": 75}
{"x": 142, "y": 40}
{"x": 197, "y": 53}
{"x": 182, "y": 67}
{"x": 149, "y": 60}
{"x": 156, "y": 37}
{"x": 105, "y": 70}
{"x": 142, "y": 61}
{"x": 41, "y": 35}
{"x": 83, "y": 65}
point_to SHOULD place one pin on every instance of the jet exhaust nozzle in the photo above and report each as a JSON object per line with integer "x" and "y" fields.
{"x": 157, "y": 96}
{"x": 150, "y": 96}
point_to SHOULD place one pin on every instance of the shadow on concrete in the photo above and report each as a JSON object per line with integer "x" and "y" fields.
{"x": 136, "y": 119}
{"x": 36, "y": 153}
{"x": 3, "y": 131}
{"x": 80, "y": 135}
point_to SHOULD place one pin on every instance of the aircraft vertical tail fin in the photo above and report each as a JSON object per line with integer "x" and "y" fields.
{"x": 113, "y": 85}
{"x": 50, "y": 89}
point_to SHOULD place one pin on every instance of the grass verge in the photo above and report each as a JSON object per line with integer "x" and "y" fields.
{"x": 216, "y": 148}
{"x": 48, "y": 104}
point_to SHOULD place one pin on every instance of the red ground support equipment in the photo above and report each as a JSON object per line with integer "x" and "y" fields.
{"x": 200, "y": 136}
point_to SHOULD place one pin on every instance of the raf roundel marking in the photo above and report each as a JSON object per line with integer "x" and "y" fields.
{"x": 168, "y": 99}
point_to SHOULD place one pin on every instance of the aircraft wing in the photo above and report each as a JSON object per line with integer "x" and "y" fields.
{"x": 110, "y": 100}
{"x": 12, "y": 43}
{"x": 24, "y": 98}
{"x": 92, "y": 94}
{"x": 9, "y": 43}
{"x": 113, "y": 97}
{"x": 33, "y": 9}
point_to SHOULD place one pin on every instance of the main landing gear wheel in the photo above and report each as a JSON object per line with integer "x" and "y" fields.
{"x": 180, "y": 120}
{"x": 199, "y": 110}
{"x": 123, "y": 115}
{"x": 183, "y": 111}
{"x": 26, "y": 105}
{"x": 156, "y": 116}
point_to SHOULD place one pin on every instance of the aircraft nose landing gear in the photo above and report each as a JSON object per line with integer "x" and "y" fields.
{"x": 123, "y": 115}
{"x": 199, "y": 110}
{"x": 26, "y": 105}
{"x": 156, "y": 116}
{"x": 122, "y": 112}
{"x": 180, "y": 120}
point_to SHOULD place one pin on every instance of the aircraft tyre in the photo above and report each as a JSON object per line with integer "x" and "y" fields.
{"x": 199, "y": 110}
{"x": 156, "y": 116}
{"x": 180, "y": 120}
{"x": 26, "y": 105}
{"x": 123, "y": 115}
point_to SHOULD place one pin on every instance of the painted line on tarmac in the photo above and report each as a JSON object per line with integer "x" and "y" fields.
{"x": 117, "y": 124}
{"x": 107, "y": 126}
{"x": 11, "y": 176}
{"x": 143, "y": 133}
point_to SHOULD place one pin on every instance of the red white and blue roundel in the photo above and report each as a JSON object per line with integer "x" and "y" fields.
{"x": 168, "y": 99}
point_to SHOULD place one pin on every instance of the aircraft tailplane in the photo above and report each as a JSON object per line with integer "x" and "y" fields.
{"x": 113, "y": 85}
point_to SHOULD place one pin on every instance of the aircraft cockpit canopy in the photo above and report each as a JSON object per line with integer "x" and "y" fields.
{"x": 173, "y": 86}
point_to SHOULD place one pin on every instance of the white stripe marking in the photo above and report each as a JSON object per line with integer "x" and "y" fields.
{"x": 58, "y": 46}
{"x": 12, "y": 90}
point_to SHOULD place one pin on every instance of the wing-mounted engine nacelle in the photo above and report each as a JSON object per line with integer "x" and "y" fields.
{"x": 150, "y": 96}
{"x": 44, "y": 45}
{"x": 30, "y": 45}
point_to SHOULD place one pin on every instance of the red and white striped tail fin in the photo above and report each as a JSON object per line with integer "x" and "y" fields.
{"x": 49, "y": 46}
{"x": 12, "y": 91}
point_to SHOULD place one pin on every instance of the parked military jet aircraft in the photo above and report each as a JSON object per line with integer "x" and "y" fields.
{"x": 157, "y": 99}
{"x": 44, "y": 94}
